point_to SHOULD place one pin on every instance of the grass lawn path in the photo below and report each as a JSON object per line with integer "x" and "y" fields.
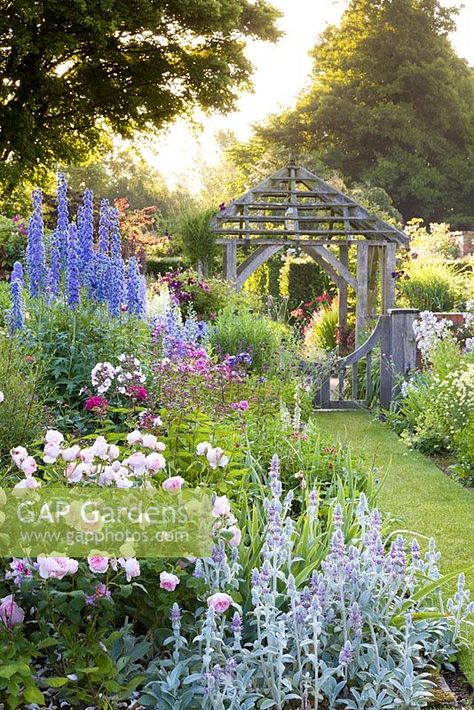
{"x": 416, "y": 492}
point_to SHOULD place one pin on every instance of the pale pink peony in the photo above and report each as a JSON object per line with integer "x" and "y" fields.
{"x": 134, "y": 437}
{"x": 28, "y": 482}
{"x": 29, "y": 466}
{"x": 236, "y": 538}
{"x": 155, "y": 462}
{"x": 149, "y": 441}
{"x": 10, "y": 613}
{"x": 19, "y": 455}
{"x": 100, "y": 447}
{"x": 71, "y": 453}
{"x": 137, "y": 462}
{"x": 98, "y": 564}
{"x": 220, "y": 602}
{"x": 168, "y": 582}
{"x": 56, "y": 567}
{"x": 113, "y": 452}
{"x": 51, "y": 452}
{"x": 131, "y": 567}
{"x": 216, "y": 457}
{"x": 203, "y": 448}
{"x": 86, "y": 455}
{"x": 221, "y": 506}
{"x": 173, "y": 484}
{"x": 54, "y": 437}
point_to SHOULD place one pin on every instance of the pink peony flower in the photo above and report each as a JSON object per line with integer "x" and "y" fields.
{"x": 203, "y": 448}
{"x": 56, "y": 567}
{"x": 71, "y": 453}
{"x": 217, "y": 458}
{"x": 236, "y": 538}
{"x": 173, "y": 484}
{"x": 10, "y": 613}
{"x": 137, "y": 462}
{"x": 98, "y": 564}
{"x": 168, "y": 582}
{"x": 29, "y": 466}
{"x": 54, "y": 437}
{"x": 100, "y": 447}
{"x": 19, "y": 455}
{"x": 131, "y": 567}
{"x": 28, "y": 482}
{"x": 150, "y": 441}
{"x": 86, "y": 455}
{"x": 220, "y": 602}
{"x": 134, "y": 437}
{"x": 113, "y": 452}
{"x": 221, "y": 506}
{"x": 51, "y": 452}
{"x": 155, "y": 462}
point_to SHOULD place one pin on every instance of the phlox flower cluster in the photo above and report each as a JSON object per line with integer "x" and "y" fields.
{"x": 124, "y": 379}
{"x": 77, "y": 262}
{"x": 429, "y": 330}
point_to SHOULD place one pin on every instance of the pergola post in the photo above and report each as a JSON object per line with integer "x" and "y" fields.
{"x": 362, "y": 292}
{"x": 389, "y": 266}
{"x": 230, "y": 261}
{"x": 343, "y": 294}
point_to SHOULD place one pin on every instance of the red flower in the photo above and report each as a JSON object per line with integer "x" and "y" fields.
{"x": 138, "y": 392}
{"x": 96, "y": 404}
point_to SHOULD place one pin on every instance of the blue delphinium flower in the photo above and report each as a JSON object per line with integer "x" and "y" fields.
{"x": 86, "y": 235}
{"x": 116, "y": 279}
{"x": 35, "y": 253}
{"x": 15, "y": 317}
{"x": 115, "y": 236}
{"x": 104, "y": 225}
{"x": 72, "y": 279}
{"x": 136, "y": 289}
{"x": 54, "y": 274}
{"x": 63, "y": 218}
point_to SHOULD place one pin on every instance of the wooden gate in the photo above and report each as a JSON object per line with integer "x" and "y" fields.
{"x": 387, "y": 355}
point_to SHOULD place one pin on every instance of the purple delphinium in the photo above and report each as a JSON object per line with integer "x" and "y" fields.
{"x": 103, "y": 245}
{"x": 72, "y": 273}
{"x": 136, "y": 290}
{"x": 116, "y": 285}
{"x": 16, "y": 319}
{"x": 35, "y": 253}
{"x": 63, "y": 219}
{"x": 54, "y": 273}
{"x": 115, "y": 236}
{"x": 86, "y": 234}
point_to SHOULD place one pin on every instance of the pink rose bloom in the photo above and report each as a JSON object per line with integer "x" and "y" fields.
{"x": 236, "y": 537}
{"x": 138, "y": 463}
{"x": 98, "y": 564}
{"x": 221, "y": 506}
{"x": 168, "y": 582}
{"x": 19, "y": 455}
{"x": 173, "y": 484}
{"x": 51, "y": 452}
{"x": 10, "y": 613}
{"x": 134, "y": 437}
{"x": 56, "y": 567}
{"x": 28, "y": 482}
{"x": 220, "y": 602}
{"x": 131, "y": 567}
{"x": 54, "y": 437}
{"x": 71, "y": 453}
{"x": 29, "y": 466}
{"x": 217, "y": 458}
{"x": 155, "y": 462}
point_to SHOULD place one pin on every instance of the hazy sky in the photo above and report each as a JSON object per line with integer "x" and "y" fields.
{"x": 281, "y": 72}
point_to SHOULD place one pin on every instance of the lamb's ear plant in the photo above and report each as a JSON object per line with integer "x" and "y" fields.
{"x": 360, "y": 625}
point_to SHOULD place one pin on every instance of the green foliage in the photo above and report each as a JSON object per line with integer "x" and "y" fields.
{"x": 238, "y": 330}
{"x": 197, "y": 240}
{"x": 390, "y": 104}
{"x": 432, "y": 285}
{"x": 301, "y": 280}
{"x": 321, "y": 333}
{"x": 72, "y": 70}
{"x": 160, "y": 265}
{"x": 259, "y": 281}
{"x": 436, "y": 242}
{"x": 17, "y": 684}
{"x": 68, "y": 344}
{"x": 21, "y": 412}
{"x": 12, "y": 243}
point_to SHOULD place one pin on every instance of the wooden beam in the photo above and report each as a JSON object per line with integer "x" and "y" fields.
{"x": 253, "y": 261}
{"x": 338, "y": 266}
{"x": 283, "y": 232}
{"x": 362, "y": 289}
{"x": 343, "y": 295}
{"x": 290, "y": 242}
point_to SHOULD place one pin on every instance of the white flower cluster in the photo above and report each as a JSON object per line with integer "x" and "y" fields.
{"x": 469, "y": 315}
{"x": 128, "y": 372}
{"x": 429, "y": 330}
{"x": 215, "y": 456}
{"x": 469, "y": 345}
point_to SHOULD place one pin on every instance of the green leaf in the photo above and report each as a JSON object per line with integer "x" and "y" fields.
{"x": 33, "y": 695}
{"x": 56, "y": 681}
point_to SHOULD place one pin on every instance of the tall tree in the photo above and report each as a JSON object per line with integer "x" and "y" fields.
{"x": 71, "y": 70}
{"x": 391, "y": 104}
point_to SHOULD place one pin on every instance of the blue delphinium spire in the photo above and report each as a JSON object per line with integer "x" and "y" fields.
{"x": 103, "y": 246}
{"x": 16, "y": 319}
{"x": 136, "y": 288}
{"x": 63, "y": 219}
{"x": 115, "y": 236}
{"x": 72, "y": 274}
{"x": 54, "y": 274}
{"x": 86, "y": 234}
{"x": 35, "y": 254}
{"x": 116, "y": 278}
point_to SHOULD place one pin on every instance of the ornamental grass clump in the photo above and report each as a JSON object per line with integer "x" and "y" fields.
{"x": 362, "y": 627}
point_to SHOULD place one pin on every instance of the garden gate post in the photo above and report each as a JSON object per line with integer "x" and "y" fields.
{"x": 398, "y": 352}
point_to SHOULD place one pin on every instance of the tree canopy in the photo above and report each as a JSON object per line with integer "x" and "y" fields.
{"x": 390, "y": 104}
{"x": 72, "y": 70}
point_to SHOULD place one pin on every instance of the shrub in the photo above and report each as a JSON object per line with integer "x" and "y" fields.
{"x": 160, "y": 265}
{"x": 205, "y": 297}
{"x": 432, "y": 285}
{"x": 321, "y": 331}
{"x": 21, "y": 411}
{"x": 12, "y": 242}
{"x": 197, "y": 238}
{"x": 302, "y": 279}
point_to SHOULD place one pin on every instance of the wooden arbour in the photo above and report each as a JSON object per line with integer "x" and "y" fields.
{"x": 295, "y": 208}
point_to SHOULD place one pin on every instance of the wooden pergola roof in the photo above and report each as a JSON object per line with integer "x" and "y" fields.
{"x": 293, "y": 204}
